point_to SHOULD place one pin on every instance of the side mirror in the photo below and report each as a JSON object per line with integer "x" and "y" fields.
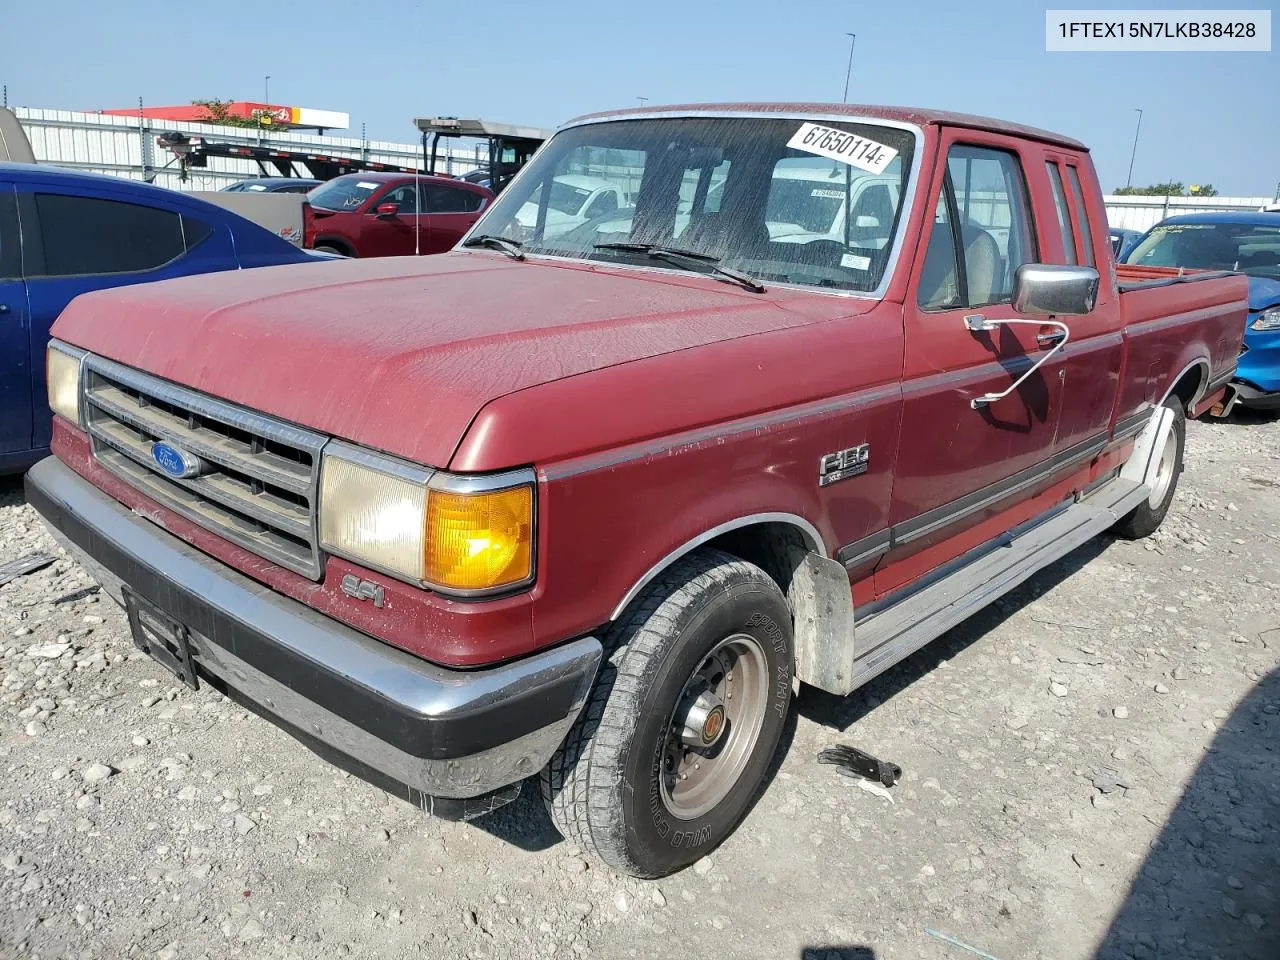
{"x": 385, "y": 210}
{"x": 1046, "y": 289}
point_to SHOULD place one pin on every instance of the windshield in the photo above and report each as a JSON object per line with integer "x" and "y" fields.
{"x": 1254, "y": 250}
{"x": 781, "y": 200}
{"x": 342, "y": 194}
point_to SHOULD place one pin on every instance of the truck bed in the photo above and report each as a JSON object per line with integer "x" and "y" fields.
{"x": 1175, "y": 319}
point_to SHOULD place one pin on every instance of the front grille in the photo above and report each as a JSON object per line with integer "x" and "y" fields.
{"x": 258, "y": 488}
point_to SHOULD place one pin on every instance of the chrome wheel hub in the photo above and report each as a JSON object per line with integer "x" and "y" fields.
{"x": 714, "y": 727}
{"x": 704, "y": 721}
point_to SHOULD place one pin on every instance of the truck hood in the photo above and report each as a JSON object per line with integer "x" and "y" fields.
{"x": 400, "y": 354}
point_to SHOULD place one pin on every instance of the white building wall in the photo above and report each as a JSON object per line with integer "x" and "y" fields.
{"x": 1141, "y": 213}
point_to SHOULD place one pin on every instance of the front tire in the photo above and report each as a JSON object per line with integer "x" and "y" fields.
{"x": 1147, "y": 517}
{"x": 671, "y": 750}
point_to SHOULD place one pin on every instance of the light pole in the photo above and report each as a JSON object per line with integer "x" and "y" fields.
{"x": 1135, "y": 146}
{"x": 643, "y": 100}
{"x": 266, "y": 90}
{"x": 853, "y": 38}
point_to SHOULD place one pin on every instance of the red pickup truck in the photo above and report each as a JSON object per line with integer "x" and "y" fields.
{"x": 585, "y": 505}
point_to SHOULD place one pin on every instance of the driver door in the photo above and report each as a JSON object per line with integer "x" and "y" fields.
{"x": 959, "y": 464}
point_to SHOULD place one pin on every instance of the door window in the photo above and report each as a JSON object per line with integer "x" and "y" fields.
{"x": 994, "y": 225}
{"x": 1064, "y": 214}
{"x": 87, "y": 235}
{"x": 1082, "y": 214}
{"x": 404, "y": 196}
{"x": 440, "y": 199}
{"x": 10, "y": 238}
{"x": 983, "y": 211}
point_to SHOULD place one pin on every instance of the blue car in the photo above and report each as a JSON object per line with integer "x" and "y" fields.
{"x": 1246, "y": 242}
{"x": 64, "y": 233}
{"x": 273, "y": 185}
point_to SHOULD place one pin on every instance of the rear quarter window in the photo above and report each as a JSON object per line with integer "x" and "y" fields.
{"x": 87, "y": 235}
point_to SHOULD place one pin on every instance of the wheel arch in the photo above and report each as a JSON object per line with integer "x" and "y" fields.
{"x": 749, "y": 534}
{"x": 1190, "y": 384}
{"x": 337, "y": 241}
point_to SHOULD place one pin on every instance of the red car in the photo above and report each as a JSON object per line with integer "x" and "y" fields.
{"x": 392, "y": 214}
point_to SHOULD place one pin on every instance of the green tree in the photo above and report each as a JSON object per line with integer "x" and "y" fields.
{"x": 1170, "y": 189}
{"x": 218, "y": 112}
{"x": 1203, "y": 190}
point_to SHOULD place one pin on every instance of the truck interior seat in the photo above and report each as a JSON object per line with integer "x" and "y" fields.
{"x": 982, "y": 265}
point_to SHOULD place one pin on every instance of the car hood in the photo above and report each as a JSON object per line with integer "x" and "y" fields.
{"x": 1263, "y": 292}
{"x": 401, "y": 353}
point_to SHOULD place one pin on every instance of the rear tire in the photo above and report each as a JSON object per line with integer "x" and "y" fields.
{"x": 325, "y": 248}
{"x": 615, "y": 787}
{"x": 1148, "y": 516}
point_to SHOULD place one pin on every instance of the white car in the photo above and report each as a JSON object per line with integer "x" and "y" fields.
{"x": 574, "y": 200}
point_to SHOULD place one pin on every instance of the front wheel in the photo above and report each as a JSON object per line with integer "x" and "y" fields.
{"x": 1162, "y": 479}
{"x": 674, "y": 745}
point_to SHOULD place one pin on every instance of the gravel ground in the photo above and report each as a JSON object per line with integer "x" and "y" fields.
{"x": 1091, "y": 769}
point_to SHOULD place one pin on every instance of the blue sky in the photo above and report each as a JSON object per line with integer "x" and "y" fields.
{"x": 1208, "y": 117}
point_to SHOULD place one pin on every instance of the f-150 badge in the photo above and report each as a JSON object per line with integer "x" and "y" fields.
{"x": 844, "y": 464}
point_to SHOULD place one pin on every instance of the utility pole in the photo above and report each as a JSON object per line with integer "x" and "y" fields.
{"x": 853, "y": 38}
{"x": 1129, "y": 183}
{"x": 643, "y": 100}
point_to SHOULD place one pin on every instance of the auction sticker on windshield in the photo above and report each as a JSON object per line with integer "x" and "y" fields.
{"x": 843, "y": 146}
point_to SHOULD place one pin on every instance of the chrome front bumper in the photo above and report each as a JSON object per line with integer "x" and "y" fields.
{"x": 440, "y": 734}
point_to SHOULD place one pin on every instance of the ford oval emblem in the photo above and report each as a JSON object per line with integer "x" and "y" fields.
{"x": 175, "y": 461}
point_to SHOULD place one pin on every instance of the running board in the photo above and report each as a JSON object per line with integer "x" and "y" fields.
{"x": 897, "y": 631}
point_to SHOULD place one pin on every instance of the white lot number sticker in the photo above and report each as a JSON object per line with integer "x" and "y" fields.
{"x": 366, "y": 185}
{"x": 855, "y": 261}
{"x": 841, "y": 145}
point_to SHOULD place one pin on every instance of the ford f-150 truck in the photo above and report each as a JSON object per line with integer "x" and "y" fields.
{"x": 588, "y": 511}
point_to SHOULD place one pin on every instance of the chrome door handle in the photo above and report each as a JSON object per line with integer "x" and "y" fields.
{"x": 978, "y": 323}
{"x": 1049, "y": 339}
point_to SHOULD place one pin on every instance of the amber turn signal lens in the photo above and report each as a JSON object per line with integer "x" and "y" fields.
{"x": 479, "y": 541}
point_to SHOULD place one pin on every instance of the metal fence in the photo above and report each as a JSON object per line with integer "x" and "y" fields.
{"x": 126, "y": 147}
{"x": 1140, "y": 213}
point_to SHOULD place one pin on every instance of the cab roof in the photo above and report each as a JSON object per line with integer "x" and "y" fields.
{"x": 917, "y": 115}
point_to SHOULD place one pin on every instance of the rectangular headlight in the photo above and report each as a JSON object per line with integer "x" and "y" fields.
{"x": 62, "y": 377}
{"x": 373, "y": 510}
{"x": 463, "y": 535}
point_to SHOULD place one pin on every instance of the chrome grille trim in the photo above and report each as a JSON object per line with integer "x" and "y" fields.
{"x": 261, "y": 492}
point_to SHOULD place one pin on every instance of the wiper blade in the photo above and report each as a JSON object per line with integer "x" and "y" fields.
{"x": 508, "y": 246}
{"x": 672, "y": 255}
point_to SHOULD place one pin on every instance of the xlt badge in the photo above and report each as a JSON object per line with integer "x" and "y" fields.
{"x": 844, "y": 464}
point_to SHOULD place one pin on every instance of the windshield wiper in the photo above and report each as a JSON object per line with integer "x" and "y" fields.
{"x": 510, "y": 247}
{"x": 686, "y": 258}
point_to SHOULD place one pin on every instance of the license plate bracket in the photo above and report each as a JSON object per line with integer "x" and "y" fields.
{"x": 160, "y": 637}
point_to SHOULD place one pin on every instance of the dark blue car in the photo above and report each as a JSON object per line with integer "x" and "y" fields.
{"x": 1250, "y": 243}
{"x": 64, "y": 233}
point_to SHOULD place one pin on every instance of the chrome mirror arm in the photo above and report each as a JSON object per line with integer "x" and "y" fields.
{"x": 978, "y": 323}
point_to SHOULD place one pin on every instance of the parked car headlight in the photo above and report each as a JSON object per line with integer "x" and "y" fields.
{"x": 467, "y": 536}
{"x": 1268, "y": 319}
{"x": 62, "y": 377}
